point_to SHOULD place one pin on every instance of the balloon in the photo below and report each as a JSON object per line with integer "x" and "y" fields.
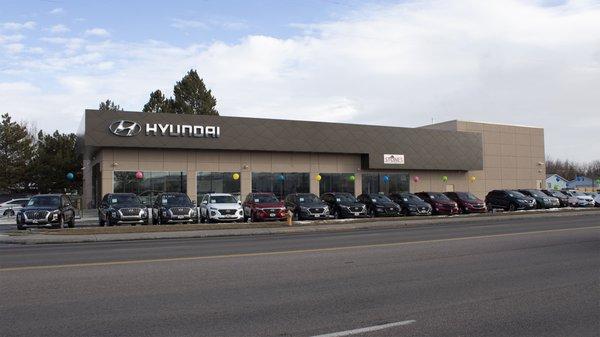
{"x": 444, "y": 178}
{"x": 281, "y": 177}
{"x": 416, "y": 179}
{"x": 318, "y": 177}
{"x": 557, "y": 179}
{"x": 139, "y": 175}
{"x": 236, "y": 176}
{"x": 473, "y": 178}
{"x": 386, "y": 178}
{"x": 70, "y": 176}
{"x": 352, "y": 178}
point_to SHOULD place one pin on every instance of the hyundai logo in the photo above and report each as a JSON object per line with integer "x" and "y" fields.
{"x": 125, "y": 128}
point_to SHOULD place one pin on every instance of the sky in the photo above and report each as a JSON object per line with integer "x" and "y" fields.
{"x": 397, "y": 63}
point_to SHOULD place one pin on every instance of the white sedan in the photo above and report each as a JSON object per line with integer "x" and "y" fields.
{"x": 11, "y": 207}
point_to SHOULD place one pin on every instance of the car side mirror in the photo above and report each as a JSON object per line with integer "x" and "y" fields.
{"x": 239, "y": 202}
{"x": 204, "y": 202}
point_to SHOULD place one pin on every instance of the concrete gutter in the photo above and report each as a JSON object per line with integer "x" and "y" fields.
{"x": 324, "y": 226}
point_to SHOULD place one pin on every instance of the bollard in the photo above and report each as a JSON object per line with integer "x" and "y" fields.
{"x": 290, "y": 218}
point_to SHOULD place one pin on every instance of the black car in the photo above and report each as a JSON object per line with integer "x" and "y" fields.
{"x": 344, "y": 205}
{"x": 541, "y": 199}
{"x": 47, "y": 210}
{"x": 411, "y": 204}
{"x": 122, "y": 208}
{"x": 379, "y": 205}
{"x": 508, "y": 200}
{"x": 306, "y": 206}
{"x": 173, "y": 208}
{"x": 562, "y": 198}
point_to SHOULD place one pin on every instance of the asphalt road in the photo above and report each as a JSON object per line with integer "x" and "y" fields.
{"x": 534, "y": 277}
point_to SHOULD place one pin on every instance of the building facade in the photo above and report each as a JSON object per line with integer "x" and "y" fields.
{"x": 149, "y": 153}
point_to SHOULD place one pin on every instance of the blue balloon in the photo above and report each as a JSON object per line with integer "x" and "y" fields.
{"x": 557, "y": 179}
{"x": 70, "y": 176}
{"x": 281, "y": 177}
{"x": 386, "y": 178}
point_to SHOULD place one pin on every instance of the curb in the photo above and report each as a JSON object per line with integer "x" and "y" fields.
{"x": 378, "y": 223}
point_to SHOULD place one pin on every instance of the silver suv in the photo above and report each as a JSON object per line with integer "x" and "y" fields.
{"x": 220, "y": 207}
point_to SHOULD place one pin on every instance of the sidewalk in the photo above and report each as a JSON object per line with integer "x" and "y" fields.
{"x": 171, "y": 232}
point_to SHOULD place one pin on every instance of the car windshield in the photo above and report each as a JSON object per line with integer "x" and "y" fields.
{"x": 175, "y": 200}
{"x": 124, "y": 199}
{"x": 410, "y": 198}
{"x": 44, "y": 201}
{"x": 516, "y": 194}
{"x": 379, "y": 198}
{"x": 578, "y": 194}
{"x": 222, "y": 199}
{"x": 345, "y": 198}
{"x": 308, "y": 198}
{"x": 264, "y": 198}
{"x": 536, "y": 193}
{"x": 556, "y": 194}
{"x": 438, "y": 196}
{"x": 467, "y": 196}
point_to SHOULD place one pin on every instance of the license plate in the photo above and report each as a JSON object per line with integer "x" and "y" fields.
{"x": 356, "y": 213}
{"x": 317, "y": 215}
{"x": 272, "y": 215}
{"x": 180, "y": 217}
{"x": 35, "y": 221}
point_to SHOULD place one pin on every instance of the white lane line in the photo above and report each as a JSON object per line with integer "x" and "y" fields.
{"x": 367, "y": 329}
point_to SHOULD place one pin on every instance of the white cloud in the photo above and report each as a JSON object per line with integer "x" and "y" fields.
{"x": 56, "y": 11}
{"x": 11, "y": 38}
{"x": 100, "y": 32}
{"x": 59, "y": 29}
{"x": 187, "y": 24}
{"x": 497, "y": 61}
{"x": 18, "y": 25}
{"x": 14, "y": 48}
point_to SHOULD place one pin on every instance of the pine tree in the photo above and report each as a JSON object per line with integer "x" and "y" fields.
{"x": 109, "y": 106}
{"x": 56, "y": 155}
{"x": 16, "y": 154}
{"x": 192, "y": 97}
{"x": 156, "y": 104}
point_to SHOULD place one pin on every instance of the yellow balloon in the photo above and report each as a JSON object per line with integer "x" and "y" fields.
{"x": 236, "y": 176}
{"x": 473, "y": 178}
{"x": 318, "y": 177}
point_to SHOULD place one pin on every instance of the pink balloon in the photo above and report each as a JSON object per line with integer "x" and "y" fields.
{"x": 416, "y": 179}
{"x": 139, "y": 175}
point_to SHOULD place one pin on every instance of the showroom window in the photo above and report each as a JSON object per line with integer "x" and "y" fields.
{"x": 281, "y": 184}
{"x": 150, "y": 185}
{"x": 336, "y": 182}
{"x": 385, "y": 182}
{"x": 218, "y": 182}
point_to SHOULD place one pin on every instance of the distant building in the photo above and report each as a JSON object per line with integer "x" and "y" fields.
{"x": 582, "y": 183}
{"x": 556, "y": 182}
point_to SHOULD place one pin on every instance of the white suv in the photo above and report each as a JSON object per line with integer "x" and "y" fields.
{"x": 220, "y": 207}
{"x": 12, "y": 207}
{"x": 582, "y": 199}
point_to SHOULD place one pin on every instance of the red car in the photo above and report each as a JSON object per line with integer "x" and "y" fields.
{"x": 441, "y": 204}
{"x": 467, "y": 202}
{"x": 263, "y": 207}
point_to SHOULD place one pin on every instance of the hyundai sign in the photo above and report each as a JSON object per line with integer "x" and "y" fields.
{"x": 126, "y": 128}
{"x": 393, "y": 159}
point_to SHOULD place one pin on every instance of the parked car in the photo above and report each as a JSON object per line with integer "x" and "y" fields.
{"x": 344, "y": 205}
{"x": 47, "y": 210}
{"x": 582, "y": 199}
{"x": 595, "y": 196}
{"x": 467, "y": 202}
{"x": 541, "y": 199}
{"x": 307, "y": 206}
{"x": 508, "y": 200}
{"x": 563, "y": 199}
{"x": 11, "y": 207}
{"x": 173, "y": 207}
{"x": 122, "y": 209}
{"x": 411, "y": 204}
{"x": 263, "y": 207}
{"x": 440, "y": 203}
{"x": 215, "y": 207}
{"x": 379, "y": 205}
{"x": 597, "y": 200}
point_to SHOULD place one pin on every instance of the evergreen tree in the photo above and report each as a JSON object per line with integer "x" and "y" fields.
{"x": 56, "y": 155}
{"x": 109, "y": 106}
{"x": 16, "y": 153}
{"x": 192, "y": 97}
{"x": 156, "y": 104}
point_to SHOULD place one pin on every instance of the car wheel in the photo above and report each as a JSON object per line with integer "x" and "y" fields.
{"x": 371, "y": 213}
{"x": 336, "y": 214}
{"x": 110, "y": 221}
{"x": 512, "y": 207}
{"x": 71, "y": 222}
{"x": 101, "y": 221}
{"x": 489, "y": 207}
{"x": 61, "y": 222}
{"x": 9, "y": 212}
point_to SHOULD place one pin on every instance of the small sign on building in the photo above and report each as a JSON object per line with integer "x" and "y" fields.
{"x": 394, "y": 159}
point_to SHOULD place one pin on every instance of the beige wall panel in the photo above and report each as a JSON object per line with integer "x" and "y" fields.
{"x": 175, "y": 156}
{"x": 491, "y": 149}
{"x": 507, "y": 129}
{"x": 106, "y": 165}
{"x": 538, "y": 152}
{"x": 524, "y": 162}
{"x": 523, "y": 174}
{"x": 507, "y": 138}
{"x": 509, "y": 184}
{"x": 470, "y": 126}
{"x": 126, "y": 155}
{"x": 508, "y": 162}
{"x": 207, "y": 157}
{"x": 493, "y": 173}
{"x": 491, "y": 137}
{"x": 229, "y": 167}
{"x": 281, "y": 160}
{"x": 508, "y": 174}
{"x": 245, "y": 184}
{"x": 525, "y": 184}
{"x": 301, "y": 162}
{"x": 151, "y": 154}
{"x": 523, "y": 151}
{"x": 520, "y": 130}
{"x": 491, "y": 161}
{"x": 207, "y": 167}
{"x": 491, "y": 127}
{"x": 523, "y": 139}
{"x": 327, "y": 163}
{"x": 508, "y": 150}
{"x": 231, "y": 157}
{"x": 314, "y": 183}
{"x": 191, "y": 185}
{"x": 260, "y": 162}
{"x": 358, "y": 184}
{"x": 147, "y": 166}
{"x": 537, "y": 140}
{"x": 536, "y": 131}
{"x": 175, "y": 166}
{"x": 493, "y": 184}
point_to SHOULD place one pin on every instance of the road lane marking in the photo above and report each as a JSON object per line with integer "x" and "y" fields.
{"x": 367, "y": 329}
{"x": 284, "y": 252}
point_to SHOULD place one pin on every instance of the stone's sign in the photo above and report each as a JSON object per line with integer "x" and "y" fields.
{"x": 394, "y": 159}
{"x": 126, "y": 128}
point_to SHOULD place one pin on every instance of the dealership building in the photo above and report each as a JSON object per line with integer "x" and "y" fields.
{"x": 148, "y": 153}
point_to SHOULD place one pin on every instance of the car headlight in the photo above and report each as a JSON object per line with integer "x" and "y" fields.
{"x": 113, "y": 213}
{"x": 193, "y": 212}
{"x": 326, "y": 209}
{"x": 304, "y": 208}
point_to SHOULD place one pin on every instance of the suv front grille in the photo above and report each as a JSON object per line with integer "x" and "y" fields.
{"x": 36, "y": 215}
{"x": 227, "y": 211}
{"x": 180, "y": 210}
{"x": 356, "y": 209}
{"x": 316, "y": 210}
{"x": 130, "y": 211}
